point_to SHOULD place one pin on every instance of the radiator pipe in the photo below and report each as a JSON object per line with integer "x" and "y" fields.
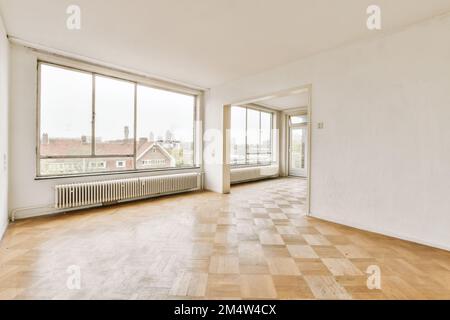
{"x": 14, "y": 211}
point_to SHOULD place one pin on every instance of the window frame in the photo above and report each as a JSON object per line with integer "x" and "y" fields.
{"x": 135, "y": 80}
{"x": 258, "y": 164}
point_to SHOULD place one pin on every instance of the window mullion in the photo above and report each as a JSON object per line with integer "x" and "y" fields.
{"x": 93, "y": 117}
{"x": 135, "y": 128}
{"x": 246, "y": 134}
{"x": 194, "y": 133}
{"x": 271, "y": 137}
{"x": 258, "y": 149}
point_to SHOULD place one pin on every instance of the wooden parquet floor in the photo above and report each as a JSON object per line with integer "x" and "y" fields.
{"x": 254, "y": 243}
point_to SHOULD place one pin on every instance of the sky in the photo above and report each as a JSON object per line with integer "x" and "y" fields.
{"x": 66, "y": 107}
{"x": 254, "y": 122}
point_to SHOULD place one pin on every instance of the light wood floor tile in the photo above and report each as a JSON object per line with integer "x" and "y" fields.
{"x": 302, "y": 251}
{"x": 264, "y": 223}
{"x": 353, "y": 252}
{"x": 292, "y": 287}
{"x": 190, "y": 284}
{"x": 278, "y": 216}
{"x": 276, "y": 251}
{"x": 338, "y": 240}
{"x": 270, "y": 238}
{"x": 313, "y": 267}
{"x": 316, "y": 240}
{"x": 326, "y": 287}
{"x": 394, "y": 287}
{"x": 283, "y": 266}
{"x": 223, "y": 286}
{"x": 307, "y": 230}
{"x": 327, "y": 252}
{"x": 341, "y": 267}
{"x": 10, "y": 293}
{"x": 287, "y": 230}
{"x": 206, "y": 228}
{"x": 225, "y": 238}
{"x": 257, "y": 287}
{"x": 224, "y": 264}
{"x": 327, "y": 230}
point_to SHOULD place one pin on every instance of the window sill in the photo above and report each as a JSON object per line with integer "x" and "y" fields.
{"x": 239, "y": 166}
{"x": 114, "y": 173}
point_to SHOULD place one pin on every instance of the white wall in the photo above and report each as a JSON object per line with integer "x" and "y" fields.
{"x": 4, "y": 92}
{"x": 382, "y": 161}
{"x": 213, "y": 145}
{"x": 28, "y": 196}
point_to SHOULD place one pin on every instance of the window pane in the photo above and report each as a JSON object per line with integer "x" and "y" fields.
{"x": 299, "y": 119}
{"x": 298, "y": 150}
{"x": 238, "y": 125}
{"x": 65, "y": 111}
{"x": 114, "y": 116}
{"x": 165, "y": 129}
{"x": 84, "y": 165}
{"x": 265, "y": 148}
{"x": 253, "y": 135}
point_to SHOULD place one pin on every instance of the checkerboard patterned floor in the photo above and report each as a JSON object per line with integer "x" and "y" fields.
{"x": 254, "y": 243}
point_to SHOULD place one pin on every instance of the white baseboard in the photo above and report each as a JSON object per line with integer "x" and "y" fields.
{"x": 381, "y": 231}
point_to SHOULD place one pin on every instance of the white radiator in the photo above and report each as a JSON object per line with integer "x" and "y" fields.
{"x": 253, "y": 173}
{"x": 99, "y": 192}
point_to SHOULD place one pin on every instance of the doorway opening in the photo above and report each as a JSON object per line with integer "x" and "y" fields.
{"x": 298, "y": 146}
{"x": 269, "y": 137}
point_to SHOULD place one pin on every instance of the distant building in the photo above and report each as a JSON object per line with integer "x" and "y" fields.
{"x": 149, "y": 155}
{"x": 153, "y": 155}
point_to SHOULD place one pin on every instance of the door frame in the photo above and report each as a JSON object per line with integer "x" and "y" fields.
{"x": 283, "y": 114}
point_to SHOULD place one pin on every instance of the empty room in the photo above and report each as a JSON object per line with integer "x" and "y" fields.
{"x": 225, "y": 150}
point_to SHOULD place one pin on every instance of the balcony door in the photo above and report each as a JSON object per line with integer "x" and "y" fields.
{"x": 298, "y": 146}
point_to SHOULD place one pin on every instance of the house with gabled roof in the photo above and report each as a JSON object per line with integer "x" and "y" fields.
{"x": 153, "y": 155}
{"x": 150, "y": 155}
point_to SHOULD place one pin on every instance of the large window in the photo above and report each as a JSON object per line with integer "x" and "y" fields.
{"x": 251, "y": 136}
{"x": 91, "y": 123}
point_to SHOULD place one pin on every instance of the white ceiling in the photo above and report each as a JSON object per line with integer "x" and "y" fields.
{"x": 205, "y": 42}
